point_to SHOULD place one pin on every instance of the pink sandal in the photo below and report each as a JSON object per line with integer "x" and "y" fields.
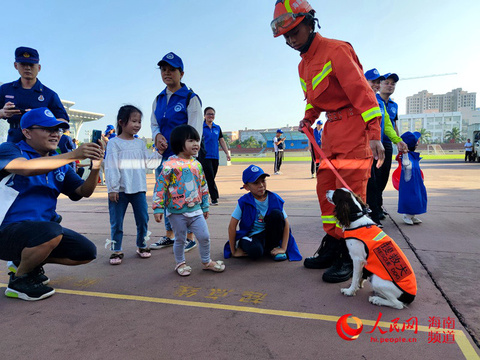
{"x": 216, "y": 266}
{"x": 183, "y": 269}
{"x": 144, "y": 253}
{"x": 116, "y": 258}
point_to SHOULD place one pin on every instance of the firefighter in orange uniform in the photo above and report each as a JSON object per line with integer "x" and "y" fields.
{"x": 332, "y": 80}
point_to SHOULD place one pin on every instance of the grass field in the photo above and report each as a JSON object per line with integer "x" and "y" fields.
{"x": 307, "y": 158}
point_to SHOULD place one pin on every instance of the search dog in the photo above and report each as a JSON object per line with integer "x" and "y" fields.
{"x": 374, "y": 253}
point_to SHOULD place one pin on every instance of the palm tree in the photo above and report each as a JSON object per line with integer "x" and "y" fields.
{"x": 426, "y": 136}
{"x": 453, "y": 135}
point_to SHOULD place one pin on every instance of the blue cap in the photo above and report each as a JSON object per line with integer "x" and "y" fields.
{"x": 251, "y": 174}
{"x": 391, "y": 75}
{"x": 41, "y": 117}
{"x": 26, "y": 55}
{"x": 280, "y": 131}
{"x": 410, "y": 138}
{"x": 173, "y": 60}
{"x": 109, "y": 128}
{"x": 319, "y": 122}
{"x": 373, "y": 74}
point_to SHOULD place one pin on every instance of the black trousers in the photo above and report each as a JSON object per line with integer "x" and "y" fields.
{"x": 378, "y": 181}
{"x": 278, "y": 161}
{"x": 210, "y": 168}
{"x": 262, "y": 243}
{"x": 314, "y": 165}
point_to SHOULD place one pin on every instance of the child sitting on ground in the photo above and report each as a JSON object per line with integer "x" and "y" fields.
{"x": 181, "y": 189}
{"x": 412, "y": 194}
{"x": 264, "y": 227}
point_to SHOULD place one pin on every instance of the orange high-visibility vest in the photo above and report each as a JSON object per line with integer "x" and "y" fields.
{"x": 384, "y": 258}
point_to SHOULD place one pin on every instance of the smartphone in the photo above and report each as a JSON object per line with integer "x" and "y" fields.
{"x": 96, "y": 135}
{"x": 22, "y": 111}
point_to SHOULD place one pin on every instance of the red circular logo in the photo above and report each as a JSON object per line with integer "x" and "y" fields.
{"x": 345, "y": 331}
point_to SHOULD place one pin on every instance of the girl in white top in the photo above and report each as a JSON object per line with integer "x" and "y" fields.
{"x": 125, "y": 169}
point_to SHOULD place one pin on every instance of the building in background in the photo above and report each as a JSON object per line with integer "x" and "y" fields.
{"x": 437, "y": 124}
{"x": 79, "y": 117}
{"x": 455, "y": 100}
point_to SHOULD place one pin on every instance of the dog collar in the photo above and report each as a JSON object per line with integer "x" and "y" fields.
{"x": 358, "y": 215}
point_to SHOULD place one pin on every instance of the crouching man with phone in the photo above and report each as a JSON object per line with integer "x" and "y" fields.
{"x": 27, "y": 93}
{"x": 32, "y": 176}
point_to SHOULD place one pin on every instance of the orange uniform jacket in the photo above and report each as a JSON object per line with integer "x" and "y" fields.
{"x": 384, "y": 258}
{"x": 332, "y": 79}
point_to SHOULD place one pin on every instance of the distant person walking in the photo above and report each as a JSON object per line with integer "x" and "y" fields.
{"x": 27, "y": 93}
{"x": 468, "y": 150}
{"x": 317, "y": 134}
{"x": 278, "y": 147}
{"x": 212, "y": 135}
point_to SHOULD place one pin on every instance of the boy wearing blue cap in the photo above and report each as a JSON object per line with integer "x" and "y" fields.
{"x": 278, "y": 147}
{"x": 175, "y": 105}
{"x": 412, "y": 194}
{"x": 32, "y": 176}
{"x": 27, "y": 93}
{"x": 263, "y": 224}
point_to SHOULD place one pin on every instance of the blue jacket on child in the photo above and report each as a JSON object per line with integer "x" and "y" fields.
{"x": 249, "y": 211}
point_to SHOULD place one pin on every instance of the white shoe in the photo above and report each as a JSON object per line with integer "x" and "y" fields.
{"x": 416, "y": 220}
{"x": 407, "y": 219}
{"x": 276, "y": 173}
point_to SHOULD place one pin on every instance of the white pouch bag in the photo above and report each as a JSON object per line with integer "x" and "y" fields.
{"x": 8, "y": 196}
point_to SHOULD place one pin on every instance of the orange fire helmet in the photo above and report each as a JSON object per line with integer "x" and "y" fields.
{"x": 288, "y": 14}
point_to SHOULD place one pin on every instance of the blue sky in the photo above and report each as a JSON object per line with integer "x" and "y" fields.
{"x": 103, "y": 54}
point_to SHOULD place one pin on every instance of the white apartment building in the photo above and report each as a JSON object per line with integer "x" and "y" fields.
{"x": 437, "y": 124}
{"x": 453, "y": 101}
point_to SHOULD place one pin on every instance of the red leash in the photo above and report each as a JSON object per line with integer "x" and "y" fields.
{"x": 310, "y": 137}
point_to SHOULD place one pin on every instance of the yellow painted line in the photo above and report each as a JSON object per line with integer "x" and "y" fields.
{"x": 460, "y": 337}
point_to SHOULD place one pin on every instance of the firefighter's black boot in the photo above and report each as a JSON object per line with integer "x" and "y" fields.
{"x": 342, "y": 268}
{"x": 325, "y": 255}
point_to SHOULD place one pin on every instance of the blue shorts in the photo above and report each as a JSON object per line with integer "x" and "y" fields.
{"x": 28, "y": 234}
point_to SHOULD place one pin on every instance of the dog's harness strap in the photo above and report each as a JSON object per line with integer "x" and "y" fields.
{"x": 310, "y": 137}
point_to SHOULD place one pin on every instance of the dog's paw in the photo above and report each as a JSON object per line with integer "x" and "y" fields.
{"x": 375, "y": 300}
{"x": 348, "y": 292}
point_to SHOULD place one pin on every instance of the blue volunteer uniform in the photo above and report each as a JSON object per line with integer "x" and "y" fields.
{"x": 37, "y": 197}
{"x": 38, "y": 96}
{"x": 210, "y": 138}
{"x": 173, "y": 114}
{"x": 392, "y": 110}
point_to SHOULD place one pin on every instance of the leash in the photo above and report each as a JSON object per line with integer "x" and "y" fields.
{"x": 310, "y": 137}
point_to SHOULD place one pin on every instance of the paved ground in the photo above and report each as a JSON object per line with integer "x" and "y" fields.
{"x": 261, "y": 310}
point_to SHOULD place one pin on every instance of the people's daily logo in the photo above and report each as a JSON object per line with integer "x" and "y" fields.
{"x": 345, "y": 331}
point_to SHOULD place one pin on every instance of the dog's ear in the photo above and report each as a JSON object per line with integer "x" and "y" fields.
{"x": 342, "y": 212}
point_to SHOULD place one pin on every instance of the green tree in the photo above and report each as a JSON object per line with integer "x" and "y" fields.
{"x": 453, "y": 135}
{"x": 250, "y": 143}
{"x": 426, "y": 136}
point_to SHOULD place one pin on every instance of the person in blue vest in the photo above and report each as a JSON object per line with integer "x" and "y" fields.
{"x": 175, "y": 105}
{"x": 33, "y": 175}
{"x": 212, "y": 135}
{"x": 387, "y": 88}
{"x": 27, "y": 93}
{"x": 317, "y": 134}
{"x": 376, "y": 183}
{"x": 263, "y": 224}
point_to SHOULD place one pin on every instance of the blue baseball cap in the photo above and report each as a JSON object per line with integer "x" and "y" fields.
{"x": 252, "y": 173}
{"x": 391, "y": 75}
{"x": 319, "y": 122}
{"x": 410, "y": 138}
{"x": 280, "y": 131}
{"x": 41, "y": 117}
{"x": 109, "y": 128}
{"x": 173, "y": 60}
{"x": 373, "y": 74}
{"x": 26, "y": 55}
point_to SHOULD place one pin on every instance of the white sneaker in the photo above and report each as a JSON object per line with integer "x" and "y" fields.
{"x": 416, "y": 220}
{"x": 407, "y": 219}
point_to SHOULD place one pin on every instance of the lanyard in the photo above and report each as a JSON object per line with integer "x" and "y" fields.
{"x": 309, "y": 133}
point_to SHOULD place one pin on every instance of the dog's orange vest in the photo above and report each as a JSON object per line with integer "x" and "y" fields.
{"x": 384, "y": 258}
